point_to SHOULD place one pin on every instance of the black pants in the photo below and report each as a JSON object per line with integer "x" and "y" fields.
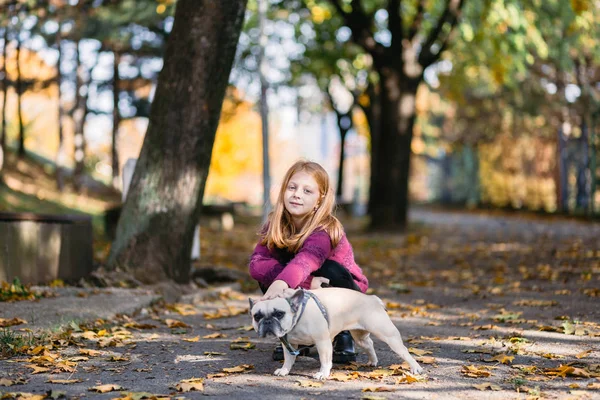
{"x": 336, "y": 273}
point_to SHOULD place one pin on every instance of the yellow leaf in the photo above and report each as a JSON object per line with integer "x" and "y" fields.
{"x": 215, "y": 335}
{"x": 173, "y": 323}
{"x": 379, "y": 389}
{"x": 9, "y": 382}
{"x": 106, "y": 388}
{"x": 419, "y": 352}
{"x": 501, "y": 358}
{"x": 189, "y": 385}
{"x": 102, "y": 332}
{"x": 475, "y": 372}
{"x": 410, "y": 378}
{"x": 11, "y": 322}
{"x": 193, "y": 340}
{"x": 426, "y": 360}
{"x": 306, "y": 383}
{"x": 239, "y": 368}
{"x": 90, "y": 352}
{"x": 64, "y": 381}
{"x": 184, "y": 309}
{"x": 583, "y": 354}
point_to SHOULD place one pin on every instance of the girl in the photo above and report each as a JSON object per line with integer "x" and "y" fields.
{"x": 303, "y": 241}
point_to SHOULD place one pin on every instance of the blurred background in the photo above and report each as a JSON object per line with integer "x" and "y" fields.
{"x": 507, "y": 117}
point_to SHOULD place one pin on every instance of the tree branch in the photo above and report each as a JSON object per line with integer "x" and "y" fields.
{"x": 359, "y": 23}
{"x": 395, "y": 25}
{"x": 449, "y": 16}
{"x": 417, "y": 21}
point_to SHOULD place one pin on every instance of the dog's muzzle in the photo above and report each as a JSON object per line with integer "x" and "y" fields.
{"x": 269, "y": 326}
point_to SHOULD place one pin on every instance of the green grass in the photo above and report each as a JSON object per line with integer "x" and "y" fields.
{"x": 13, "y": 343}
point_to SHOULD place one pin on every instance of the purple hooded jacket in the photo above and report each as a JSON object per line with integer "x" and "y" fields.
{"x": 267, "y": 265}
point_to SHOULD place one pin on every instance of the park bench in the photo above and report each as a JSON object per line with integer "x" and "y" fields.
{"x": 39, "y": 248}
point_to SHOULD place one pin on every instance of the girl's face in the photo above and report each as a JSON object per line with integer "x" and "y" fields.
{"x": 301, "y": 197}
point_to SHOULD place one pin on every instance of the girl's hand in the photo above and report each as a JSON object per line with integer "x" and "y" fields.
{"x": 317, "y": 282}
{"x": 275, "y": 290}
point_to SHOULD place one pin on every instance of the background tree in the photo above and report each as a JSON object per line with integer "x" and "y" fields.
{"x": 155, "y": 230}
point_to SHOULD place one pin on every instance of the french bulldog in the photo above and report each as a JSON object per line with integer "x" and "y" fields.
{"x": 300, "y": 319}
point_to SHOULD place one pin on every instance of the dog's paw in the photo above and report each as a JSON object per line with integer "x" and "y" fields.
{"x": 321, "y": 376}
{"x": 281, "y": 372}
{"x": 416, "y": 369}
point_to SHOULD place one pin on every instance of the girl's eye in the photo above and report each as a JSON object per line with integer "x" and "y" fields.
{"x": 307, "y": 191}
{"x": 291, "y": 187}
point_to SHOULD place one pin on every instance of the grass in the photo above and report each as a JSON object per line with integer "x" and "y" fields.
{"x": 13, "y": 343}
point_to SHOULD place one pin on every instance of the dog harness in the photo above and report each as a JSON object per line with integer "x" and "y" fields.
{"x": 307, "y": 295}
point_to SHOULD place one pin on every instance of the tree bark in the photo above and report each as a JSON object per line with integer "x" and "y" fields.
{"x": 156, "y": 227}
{"x": 391, "y": 166}
{"x": 4, "y": 91}
{"x": 116, "y": 120}
{"x": 60, "y": 152}
{"x": 19, "y": 85}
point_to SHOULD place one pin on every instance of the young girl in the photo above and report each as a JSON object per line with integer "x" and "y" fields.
{"x": 301, "y": 241}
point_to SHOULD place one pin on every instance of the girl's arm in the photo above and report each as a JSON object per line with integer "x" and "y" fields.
{"x": 309, "y": 258}
{"x": 263, "y": 266}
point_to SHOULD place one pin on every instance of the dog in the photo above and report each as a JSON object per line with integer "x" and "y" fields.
{"x": 316, "y": 316}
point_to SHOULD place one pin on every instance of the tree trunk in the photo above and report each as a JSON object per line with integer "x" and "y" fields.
{"x": 391, "y": 160}
{"x": 156, "y": 227}
{"x": 116, "y": 120}
{"x": 344, "y": 123}
{"x": 60, "y": 152}
{"x": 79, "y": 115}
{"x": 4, "y": 91}
{"x": 19, "y": 84}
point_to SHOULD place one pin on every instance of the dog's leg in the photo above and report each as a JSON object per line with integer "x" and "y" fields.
{"x": 288, "y": 362}
{"x": 325, "y": 349}
{"x": 363, "y": 339}
{"x": 390, "y": 334}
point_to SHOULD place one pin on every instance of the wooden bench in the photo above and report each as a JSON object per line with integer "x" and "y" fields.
{"x": 40, "y": 248}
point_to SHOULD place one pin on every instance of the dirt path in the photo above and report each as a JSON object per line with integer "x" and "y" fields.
{"x": 493, "y": 307}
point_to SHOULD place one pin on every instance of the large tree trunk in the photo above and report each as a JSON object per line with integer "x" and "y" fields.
{"x": 4, "y": 90}
{"x": 19, "y": 84}
{"x": 116, "y": 120}
{"x": 4, "y": 95}
{"x": 391, "y": 162}
{"x": 79, "y": 115}
{"x": 61, "y": 151}
{"x": 156, "y": 227}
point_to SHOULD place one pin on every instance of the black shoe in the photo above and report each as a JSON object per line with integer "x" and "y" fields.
{"x": 278, "y": 352}
{"x": 343, "y": 348}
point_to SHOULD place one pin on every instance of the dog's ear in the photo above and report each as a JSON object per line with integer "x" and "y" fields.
{"x": 251, "y": 305}
{"x": 296, "y": 300}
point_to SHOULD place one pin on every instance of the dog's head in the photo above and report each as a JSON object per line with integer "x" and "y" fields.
{"x": 275, "y": 316}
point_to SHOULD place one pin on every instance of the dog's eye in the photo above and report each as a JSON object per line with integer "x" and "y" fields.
{"x": 278, "y": 314}
{"x": 258, "y": 316}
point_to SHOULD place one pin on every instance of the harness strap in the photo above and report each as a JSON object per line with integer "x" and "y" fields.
{"x": 307, "y": 295}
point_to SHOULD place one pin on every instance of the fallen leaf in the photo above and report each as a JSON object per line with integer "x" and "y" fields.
{"x": 215, "y": 335}
{"x": 583, "y": 354}
{"x": 90, "y": 352}
{"x": 64, "y": 381}
{"x": 379, "y": 389}
{"x": 475, "y": 372}
{"x": 410, "y": 378}
{"x": 501, "y": 358}
{"x": 106, "y": 388}
{"x": 192, "y": 340}
{"x": 173, "y": 323}
{"x": 306, "y": 383}
{"x": 239, "y": 368}
{"x": 419, "y": 352}
{"x": 192, "y": 384}
{"x": 9, "y": 382}
{"x": 11, "y": 322}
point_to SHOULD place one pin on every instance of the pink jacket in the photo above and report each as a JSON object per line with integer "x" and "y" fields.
{"x": 267, "y": 265}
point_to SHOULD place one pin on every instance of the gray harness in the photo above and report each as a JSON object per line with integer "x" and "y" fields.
{"x": 307, "y": 295}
